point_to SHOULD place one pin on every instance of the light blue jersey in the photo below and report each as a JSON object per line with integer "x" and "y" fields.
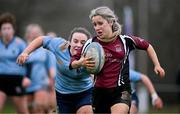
{"x": 134, "y": 77}
{"x": 8, "y": 56}
{"x": 67, "y": 80}
{"x": 39, "y": 63}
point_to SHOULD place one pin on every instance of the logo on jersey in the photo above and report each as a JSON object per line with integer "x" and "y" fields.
{"x": 64, "y": 46}
{"x": 118, "y": 48}
{"x": 14, "y": 51}
{"x": 141, "y": 40}
{"x": 59, "y": 61}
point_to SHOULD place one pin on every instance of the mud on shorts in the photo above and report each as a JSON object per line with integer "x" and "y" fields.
{"x": 104, "y": 98}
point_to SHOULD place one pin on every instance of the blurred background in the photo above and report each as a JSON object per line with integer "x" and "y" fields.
{"x": 154, "y": 20}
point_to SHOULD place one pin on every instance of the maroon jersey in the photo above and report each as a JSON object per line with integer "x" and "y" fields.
{"x": 114, "y": 55}
{"x": 115, "y": 71}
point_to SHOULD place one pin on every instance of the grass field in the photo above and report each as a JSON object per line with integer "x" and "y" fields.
{"x": 8, "y": 108}
{"x": 168, "y": 109}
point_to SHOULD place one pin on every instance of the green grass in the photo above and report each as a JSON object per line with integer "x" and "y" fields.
{"x": 9, "y": 108}
{"x": 168, "y": 109}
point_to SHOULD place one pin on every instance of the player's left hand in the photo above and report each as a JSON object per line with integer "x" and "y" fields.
{"x": 159, "y": 71}
{"x": 22, "y": 58}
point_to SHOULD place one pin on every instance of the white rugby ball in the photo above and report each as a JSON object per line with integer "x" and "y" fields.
{"x": 96, "y": 51}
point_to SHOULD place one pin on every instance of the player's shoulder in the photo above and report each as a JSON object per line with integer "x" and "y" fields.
{"x": 19, "y": 40}
{"x": 56, "y": 40}
{"x": 125, "y": 37}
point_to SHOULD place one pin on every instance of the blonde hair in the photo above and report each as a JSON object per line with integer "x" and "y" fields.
{"x": 108, "y": 15}
{"x": 37, "y": 27}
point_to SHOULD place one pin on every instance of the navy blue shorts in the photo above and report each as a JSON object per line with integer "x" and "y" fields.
{"x": 134, "y": 99}
{"x": 11, "y": 85}
{"x": 70, "y": 103}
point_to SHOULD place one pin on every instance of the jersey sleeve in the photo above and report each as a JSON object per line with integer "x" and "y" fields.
{"x": 51, "y": 60}
{"x": 52, "y": 43}
{"x": 22, "y": 44}
{"x": 135, "y": 76}
{"x": 139, "y": 43}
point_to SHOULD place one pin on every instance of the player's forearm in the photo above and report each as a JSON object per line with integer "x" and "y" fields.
{"x": 34, "y": 45}
{"x": 152, "y": 54}
{"x": 147, "y": 82}
{"x": 52, "y": 72}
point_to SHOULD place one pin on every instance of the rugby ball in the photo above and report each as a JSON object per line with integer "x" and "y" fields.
{"x": 96, "y": 51}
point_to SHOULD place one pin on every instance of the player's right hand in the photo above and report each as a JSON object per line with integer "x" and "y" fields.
{"x": 22, "y": 58}
{"x": 158, "y": 104}
{"x": 26, "y": 82}
{"x": 89, "y": 63}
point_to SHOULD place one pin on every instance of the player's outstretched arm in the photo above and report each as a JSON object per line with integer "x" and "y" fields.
{"x": 156, "y": 100}
{"x": 157, "y": 67}
{"x": 30, "y": 48}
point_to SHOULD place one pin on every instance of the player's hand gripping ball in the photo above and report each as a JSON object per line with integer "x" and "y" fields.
{"x": 96, "y": 52}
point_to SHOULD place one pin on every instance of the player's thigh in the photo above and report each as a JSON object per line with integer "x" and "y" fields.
{"x": 19, "y": 100}
{"x": 120, "y": 108}
{"x": 20, "y": 103}
{"x": 86, "y": 109}
{"x": 30, "y": 97}
{"x": 121, "y": 103}
{"x": 2, "y": 99}
{"x": 41, "y": 97}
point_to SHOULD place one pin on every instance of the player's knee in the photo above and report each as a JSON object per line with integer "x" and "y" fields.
{"x": 37, "y": 107}
{"x": 40, "y": 105}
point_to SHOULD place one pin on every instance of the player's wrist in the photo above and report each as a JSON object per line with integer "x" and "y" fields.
{"x": 80, "y": 62}
{"x": 75, "y": 64}
{"x": 154, "y": 96}
{"x": 26, "y": 52}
